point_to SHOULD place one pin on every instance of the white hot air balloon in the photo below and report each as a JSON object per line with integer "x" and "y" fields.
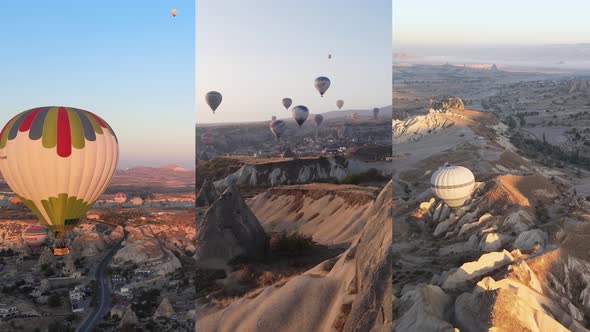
{"x": 287, "y": 103}
{"x": 339, "y": 103}
{"x": 300, "y": 114}
{"x": 58, "y": 160}
{"x": 322, "y": 84}
{"x": 453, "y": 184}
{"x": 136, "y": 201}
{"x": 213, "y": 99}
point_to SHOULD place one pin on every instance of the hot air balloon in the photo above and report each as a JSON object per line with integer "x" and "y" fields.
{"x": 58, "y": 160}
{"x": 375, "y": 113}
{"x": 136, "y": 201}
{"x": 354, "y": 116}
{"x": 35, "y": 235}
{"x": 213, "y": 99}
{"x": 278, "y": 127}
{"x": 329, "y": 56}
{"x": 120, "y": 198}
{"x": 207, "y": 139}
{"x": 287, "y": 103}
{"x": 173, "y": 12}
{"x": 339, "y": 103}
{"x": 322, "y": 84}
{"x": 453, "y": 184}
{"x": 14, "y": 200}
{"x": 300, "y": 114}
{"x": 318, "y": 118}
{"x": 273, "y": 118}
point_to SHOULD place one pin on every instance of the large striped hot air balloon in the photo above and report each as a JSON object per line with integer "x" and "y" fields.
{"x": 35, "y": 235}
{"x": 58, "y": 160}
{"x": 453, "y": 184}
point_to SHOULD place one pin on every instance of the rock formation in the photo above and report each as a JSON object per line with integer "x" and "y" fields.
{"x": 164, "y": 310}
{"x": 207, "y": 195}
{"x": 230, "y": 230}
{"x": 129, "y": 318}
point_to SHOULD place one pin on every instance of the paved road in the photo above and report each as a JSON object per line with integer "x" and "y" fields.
{"x": 103, "y": 296}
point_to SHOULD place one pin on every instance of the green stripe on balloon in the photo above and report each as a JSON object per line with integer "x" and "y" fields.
{"x": 5, "y": 132}
{"x": 95, "y": 125}
{"x": 77, "y": 131}
{"x": 49, "y": 139}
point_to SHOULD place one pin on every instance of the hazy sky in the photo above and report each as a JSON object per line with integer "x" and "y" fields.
{"x": 468, "y": 22}
{"x": 256, "y": 53}
{"x": 129, "y": 61}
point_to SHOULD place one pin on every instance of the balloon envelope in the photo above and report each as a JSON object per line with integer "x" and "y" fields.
{"x": 136, "y": 200}
{"x": 173, "y": 12}
{"x": 322, "y": 84}
{"x": 453, "y": 184}
{"x": 300, "y": 114}
{"x": 35, "y": 235}
{"x": 329, "y": 56}
{"x": 58, "y": 160}
{"x": 273, "y": 118}
{"x": 354, "y": 116}
{"x": 287, "y": 102}
{"x": 318, "y": 118}
{"x": 213, "y": 99}
{"x": 278, "y": 127}
{"x": 339, "y": 103}
{"x": 120, "y": 198}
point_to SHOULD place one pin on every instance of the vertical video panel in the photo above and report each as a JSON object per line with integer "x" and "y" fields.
{"x": 293, "y": 166}
{"x": 97, "y": 165}
{"x": 491, "y": 147}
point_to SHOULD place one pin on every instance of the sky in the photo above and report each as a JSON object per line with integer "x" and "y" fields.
{"x": 128, "y": 61}
{"x": 500, "y": 22}
{"x": 256, "y": 55}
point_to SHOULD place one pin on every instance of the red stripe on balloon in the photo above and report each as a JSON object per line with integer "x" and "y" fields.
{"x": 64, "y": 135}
{"x": 28, "y": 120}
{"x": 100, "y": 122}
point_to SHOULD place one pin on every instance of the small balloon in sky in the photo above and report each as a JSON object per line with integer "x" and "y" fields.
{"x": 173, "y": 12}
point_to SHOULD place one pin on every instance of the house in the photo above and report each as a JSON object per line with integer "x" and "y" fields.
{"x": 75, "y": 295}
{"x": 119, "y": 309}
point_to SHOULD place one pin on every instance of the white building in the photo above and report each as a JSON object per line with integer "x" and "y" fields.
{"x": 8, "y": 311}
{"x": 75, "y": 295}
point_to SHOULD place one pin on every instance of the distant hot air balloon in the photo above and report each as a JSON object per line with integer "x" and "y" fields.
{"x": 273, "y": 118}
{"x": 14, "y": 200}
{"x": 287, "y": 103}
{"x": 375, "y": 113}
{"x": 213, "y": 99}
{"x": 173, "y": 12}
{"x": 329, "y": 56}
{"x": 339, "y": 103}
{"x": 318, "y": 118}
{"x": 120, "y": 198}
{"x": 136, "y": 201}
{"x": 35, "y": 235}
{"x": 354, "y": 116}
{"x": 207, "y": 139}
{"x": 300, "y": 114}
{"x": 322, "y": 84}
{"x": 453, "y": 184}
{"x": 278, "y": 128}
{"x": 58, "y": 160}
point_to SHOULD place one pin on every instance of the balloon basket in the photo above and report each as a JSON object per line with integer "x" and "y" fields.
{"x": 57, "y": 251}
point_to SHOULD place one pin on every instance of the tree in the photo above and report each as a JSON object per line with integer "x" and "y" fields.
{"x": 54, "y": 300}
